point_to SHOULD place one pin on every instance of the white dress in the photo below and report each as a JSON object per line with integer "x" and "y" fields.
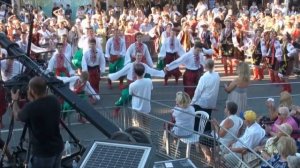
{"x": 239, "y": 96}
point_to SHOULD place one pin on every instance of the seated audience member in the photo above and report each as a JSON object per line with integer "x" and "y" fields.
{"x": 286, "y": 146}
{"x": 270, "y": 147}
{"x": 285, "y": 100}
{"x": 232, "y": 123}
{"x": 251, "y": 138}
{"x": 184, "y": 115}
{"x": 293, "y": 161}
{"x": 283, "y": 117}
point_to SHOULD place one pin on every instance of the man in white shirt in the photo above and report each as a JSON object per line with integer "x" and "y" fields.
{"x": 167, "y": 33}
{"x": 140, "y": 90}
{"x": 252, "y": 137}
{"x": 59, "y": 64}
{"x": 66, "y": 47}
{"x": 83, "y": 41}
{"x": 93, "y": 61}
{"x": 138, "y": 47}
{"x": 115, "y": 53}
{"x": 170, "y": 50}
{"x": 194, "y": 62}
{"x": 206, "y": 93}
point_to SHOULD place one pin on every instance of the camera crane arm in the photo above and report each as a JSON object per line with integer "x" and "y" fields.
{"x": 60, "y": 89}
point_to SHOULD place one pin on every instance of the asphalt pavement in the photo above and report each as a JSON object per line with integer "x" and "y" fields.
{"x": 163, "y": 100}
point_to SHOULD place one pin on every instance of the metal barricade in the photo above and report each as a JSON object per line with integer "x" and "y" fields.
{"x": 154, "y": 124}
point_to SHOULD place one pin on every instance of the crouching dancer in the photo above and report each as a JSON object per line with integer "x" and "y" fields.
{"x": 128, "y": 71}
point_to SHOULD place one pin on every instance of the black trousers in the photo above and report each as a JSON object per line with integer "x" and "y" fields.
{"x": 197, "y": 119}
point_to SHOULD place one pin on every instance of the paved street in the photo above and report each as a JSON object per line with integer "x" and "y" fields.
{"x": 257, "y": 94}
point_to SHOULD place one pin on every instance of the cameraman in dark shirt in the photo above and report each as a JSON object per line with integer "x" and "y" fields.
{"x": 42, "y": 115}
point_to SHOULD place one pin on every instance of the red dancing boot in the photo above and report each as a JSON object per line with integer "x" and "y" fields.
{"x": 116, "y": 112}
{"x": 109, "y": 84}
{"x": 225, "y": 69}
{"x": 260, "y": 73}
{"x": 166, "y": 81}
{"x": 121, "y": 85}
{"x": 255, "y": 73}
{"x": 176, "y": 80}
{"x": 272, "y": 77}
{"x": 276, "y": 78}
{"x": 231, "y": 69}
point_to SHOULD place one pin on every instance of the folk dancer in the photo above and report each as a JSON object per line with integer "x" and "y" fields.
{"x": 194, "y": 62}
{"x": 115, "y": 53}
{"x": 256, "y": 53}
{"x": 128, "y": 71}
{"x": 83, "y": 41}
{"x": 205, "y": 35}
{"x": 169, "y": 52}
{"x": 271, "y": 52}
{"x": 185, "y": 37}
{"x": 66, "y": 47}
{"x": 167, "y": 33}
{"x": 93, "y": 61}
{"x": 286, "y": 63}
{"x": 216, "y": 32}
{"x": 9, "y": 69}
{"x": 138, "y": 47}
{"x": 59, "y": 64}
{"x": 238, "y": 39}
{"x": 82, "y": 87}
{"x": 226, "y": 47}
{"x": 155, "y": 34}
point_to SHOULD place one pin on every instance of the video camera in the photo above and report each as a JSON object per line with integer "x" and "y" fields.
{"x": 19, "y": 82}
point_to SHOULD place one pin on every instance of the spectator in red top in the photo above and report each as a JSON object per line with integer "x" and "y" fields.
{"x": 296, "y": 32}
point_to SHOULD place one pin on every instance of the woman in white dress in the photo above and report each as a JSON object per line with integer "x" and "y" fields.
{"x": 237, "y": 89}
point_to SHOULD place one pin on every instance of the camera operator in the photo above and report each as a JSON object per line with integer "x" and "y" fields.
{"x": 42, "y": 114}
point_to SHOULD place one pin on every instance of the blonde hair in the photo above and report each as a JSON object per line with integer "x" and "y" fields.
{"x": 286, "y": 146}
{"x": 284, "y": 111}
{"x": 183, "y": 99}
{"x": 285, "y": 99}
{"x": 243, "y": 71}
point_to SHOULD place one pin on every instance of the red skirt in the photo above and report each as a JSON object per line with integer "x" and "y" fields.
{"x": 94, "y": 77}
